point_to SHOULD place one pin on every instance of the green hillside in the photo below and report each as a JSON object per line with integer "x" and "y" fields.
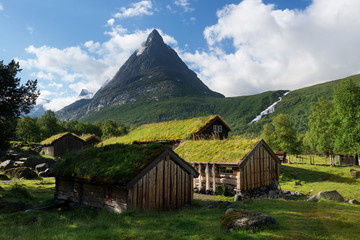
{"x": 297, "y": 103}
{"x": 237, "y": 112}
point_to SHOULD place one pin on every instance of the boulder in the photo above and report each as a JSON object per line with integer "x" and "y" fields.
{"x": 22, "y": 172}
{"x": 327, "y": 195}
{"x": 33, "y": 162}
{"x": 354, "y": 201}
{"x": 45, "y": 173}
{"x": 4, "y": 177}
{"x": 7, "y": 164}
{"x": 354, "y": 174}
{"x": 237, "y": 198}
{"x": 41, "y": 167}
{"x": 246, "y": 220}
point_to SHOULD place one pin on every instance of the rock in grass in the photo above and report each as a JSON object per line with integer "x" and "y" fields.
{"x": 7, "y": 164}
{"x": 22, "y": 172}
{"x": 354, "y": 201}
{"x": 246, "y": 220}
{"x": 327, "y": 195}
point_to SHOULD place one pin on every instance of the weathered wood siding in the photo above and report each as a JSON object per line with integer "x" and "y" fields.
{"x": 60, "y": 147}
{"x": 165, "y": 186}
{"x": 91, "y": 194}
{"x": 261, "y": 169}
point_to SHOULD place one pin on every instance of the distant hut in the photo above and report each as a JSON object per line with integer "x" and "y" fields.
{"x": 173, "y": 132}
{"x": 282, "y": 156}
{"x": 238, "y": 164}
{"x": 62, "y": 143}
{"x": 120, "y": 177}
{"x": 90, "y": 139}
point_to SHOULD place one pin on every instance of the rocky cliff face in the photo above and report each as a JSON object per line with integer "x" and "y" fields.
{"x": 155, "y": 71}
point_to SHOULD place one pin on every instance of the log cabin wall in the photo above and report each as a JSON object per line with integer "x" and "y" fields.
{"x": 165, "y": 186}
{"x": 260, "y": 168}
{"x": 110, "y": 197}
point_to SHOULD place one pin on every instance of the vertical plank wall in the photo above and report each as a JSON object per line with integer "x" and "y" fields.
{"x": 260, "y": 170}
{"x": 165, "y": 186}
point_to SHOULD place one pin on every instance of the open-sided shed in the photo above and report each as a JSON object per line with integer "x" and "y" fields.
{"x": 62, "y": 143}
{"x": 119, "y": 177}
{"x": 239, "y": 164}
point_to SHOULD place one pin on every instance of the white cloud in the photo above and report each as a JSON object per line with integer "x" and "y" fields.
{"x": 30, "y": 30}
{"x": 279, "y": 49}
{"x": 184, "y": 4}
{"x": 1, "y": 7}
{"x": 137, "y": 9}
{"x": 111, "y": 22}
{"x": 87, "y": 67}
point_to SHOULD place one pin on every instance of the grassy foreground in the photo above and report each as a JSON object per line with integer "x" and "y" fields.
{"x": 298, "y": 219}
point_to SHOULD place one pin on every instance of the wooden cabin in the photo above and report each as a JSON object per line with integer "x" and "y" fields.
{"x": 238, "y": 164}
{"x": 173, "y": 132}
{"x": 120, "y": 177}
{"x": 62, "y": 143}
{"x": 90, "y": 139}
{"x": 282, "y": 156}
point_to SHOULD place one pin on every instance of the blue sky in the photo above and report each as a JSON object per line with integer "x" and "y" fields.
{"x": 236, "y": 47}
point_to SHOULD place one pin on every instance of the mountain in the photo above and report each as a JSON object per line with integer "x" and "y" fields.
{"x": 155, "y": 71}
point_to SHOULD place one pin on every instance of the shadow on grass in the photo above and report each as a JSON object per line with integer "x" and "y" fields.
{"x": 289, "y": 173}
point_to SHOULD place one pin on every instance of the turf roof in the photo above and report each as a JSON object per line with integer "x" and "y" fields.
{"x": 225, "y": 151}
{"x": 87, "y": 137}
{"x": 53, "y": 138}
{"x": 118, "y": 163}
{"x": 164, "y": 131}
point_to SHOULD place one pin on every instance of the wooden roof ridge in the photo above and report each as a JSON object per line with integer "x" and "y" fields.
{"x": 57, "y": 137}
{"x": 261, "y": 142}
{"x": 216, "y": 117}
{"x": 176, "y": 158}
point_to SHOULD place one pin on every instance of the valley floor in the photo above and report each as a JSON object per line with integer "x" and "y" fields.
{"x": 298, "y": 219}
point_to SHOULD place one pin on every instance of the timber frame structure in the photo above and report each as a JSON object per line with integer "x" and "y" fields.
{"x": 258, "y": 168}
{"x": 166, "y": 182}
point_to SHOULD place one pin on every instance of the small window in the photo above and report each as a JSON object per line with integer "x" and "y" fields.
{"x": 217, "y": 128}
{"x": 226, "y": 170}
{"x": 107, "y": 194}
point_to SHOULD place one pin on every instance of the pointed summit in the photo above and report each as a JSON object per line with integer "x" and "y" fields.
{"x": 154, "y": 37}
{"x": 154, "y": 71}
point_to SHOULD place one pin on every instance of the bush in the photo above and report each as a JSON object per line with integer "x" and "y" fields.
{"x": 222, "y": 190}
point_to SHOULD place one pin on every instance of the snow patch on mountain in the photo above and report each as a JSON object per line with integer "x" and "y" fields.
{"x": 268, "y": 110}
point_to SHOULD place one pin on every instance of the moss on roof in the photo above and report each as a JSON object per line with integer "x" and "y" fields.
{"x": 226, "y": 151}
{"x": 53, "y": 138}
{"x": 116, "y": 163}
{"x": 164, "y": 131}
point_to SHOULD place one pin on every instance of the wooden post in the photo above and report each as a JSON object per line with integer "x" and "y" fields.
{"x": 200, "y": 178}
{"x": 214, "y": 178}
{"x": 207, "y": 178}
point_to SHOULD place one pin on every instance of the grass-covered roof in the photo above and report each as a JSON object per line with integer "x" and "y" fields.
{"x": 87, "y": 137}
{"x": 116, "y": 163}
{"x": 55, "y": 137}
{"x": 164, "y": 131}
{"x": 225, "y": 151}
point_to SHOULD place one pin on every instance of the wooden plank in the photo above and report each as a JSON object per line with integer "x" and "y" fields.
{"x": 145, "y": 196}
{"x": 167, "y": 182}
{"x": 252, "y": 179}
{"x": 150, "y": 189}
{"x": 258, "y": 167}
{"x": 178, "y": 189}
{"x": 173, "y": 185}
{"x": 161, "y": 184}
{"x": 191, "y": 189}
{"x": 135, "y": 196}
{"x": 200, "y": 177}
{"x": 129, "y": 199}
{"x": 183, "y": 181}
{"x": 186, "y": 188}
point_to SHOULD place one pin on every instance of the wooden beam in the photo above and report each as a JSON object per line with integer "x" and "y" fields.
{"x": 207, "y": 176}
{"x": 214, "y": 178}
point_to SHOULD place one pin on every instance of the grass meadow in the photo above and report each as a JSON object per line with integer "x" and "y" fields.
{"x": 298, "y": 219}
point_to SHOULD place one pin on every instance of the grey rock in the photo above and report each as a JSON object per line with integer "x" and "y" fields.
{"x": 327, "y": 195}
{"x": 22, "y": 172}
{"x": 271, "y": 194}
{"x": 41, "y": 167}
{"x": 33, "y": 162}
{"x": 237, "y": 197}
{"x": 246, "y": 220}
{"x": 7, "y": 164}
{"x": 354, "y": 201}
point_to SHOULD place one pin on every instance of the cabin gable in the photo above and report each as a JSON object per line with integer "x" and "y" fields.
{"x": 217, "y": 127}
